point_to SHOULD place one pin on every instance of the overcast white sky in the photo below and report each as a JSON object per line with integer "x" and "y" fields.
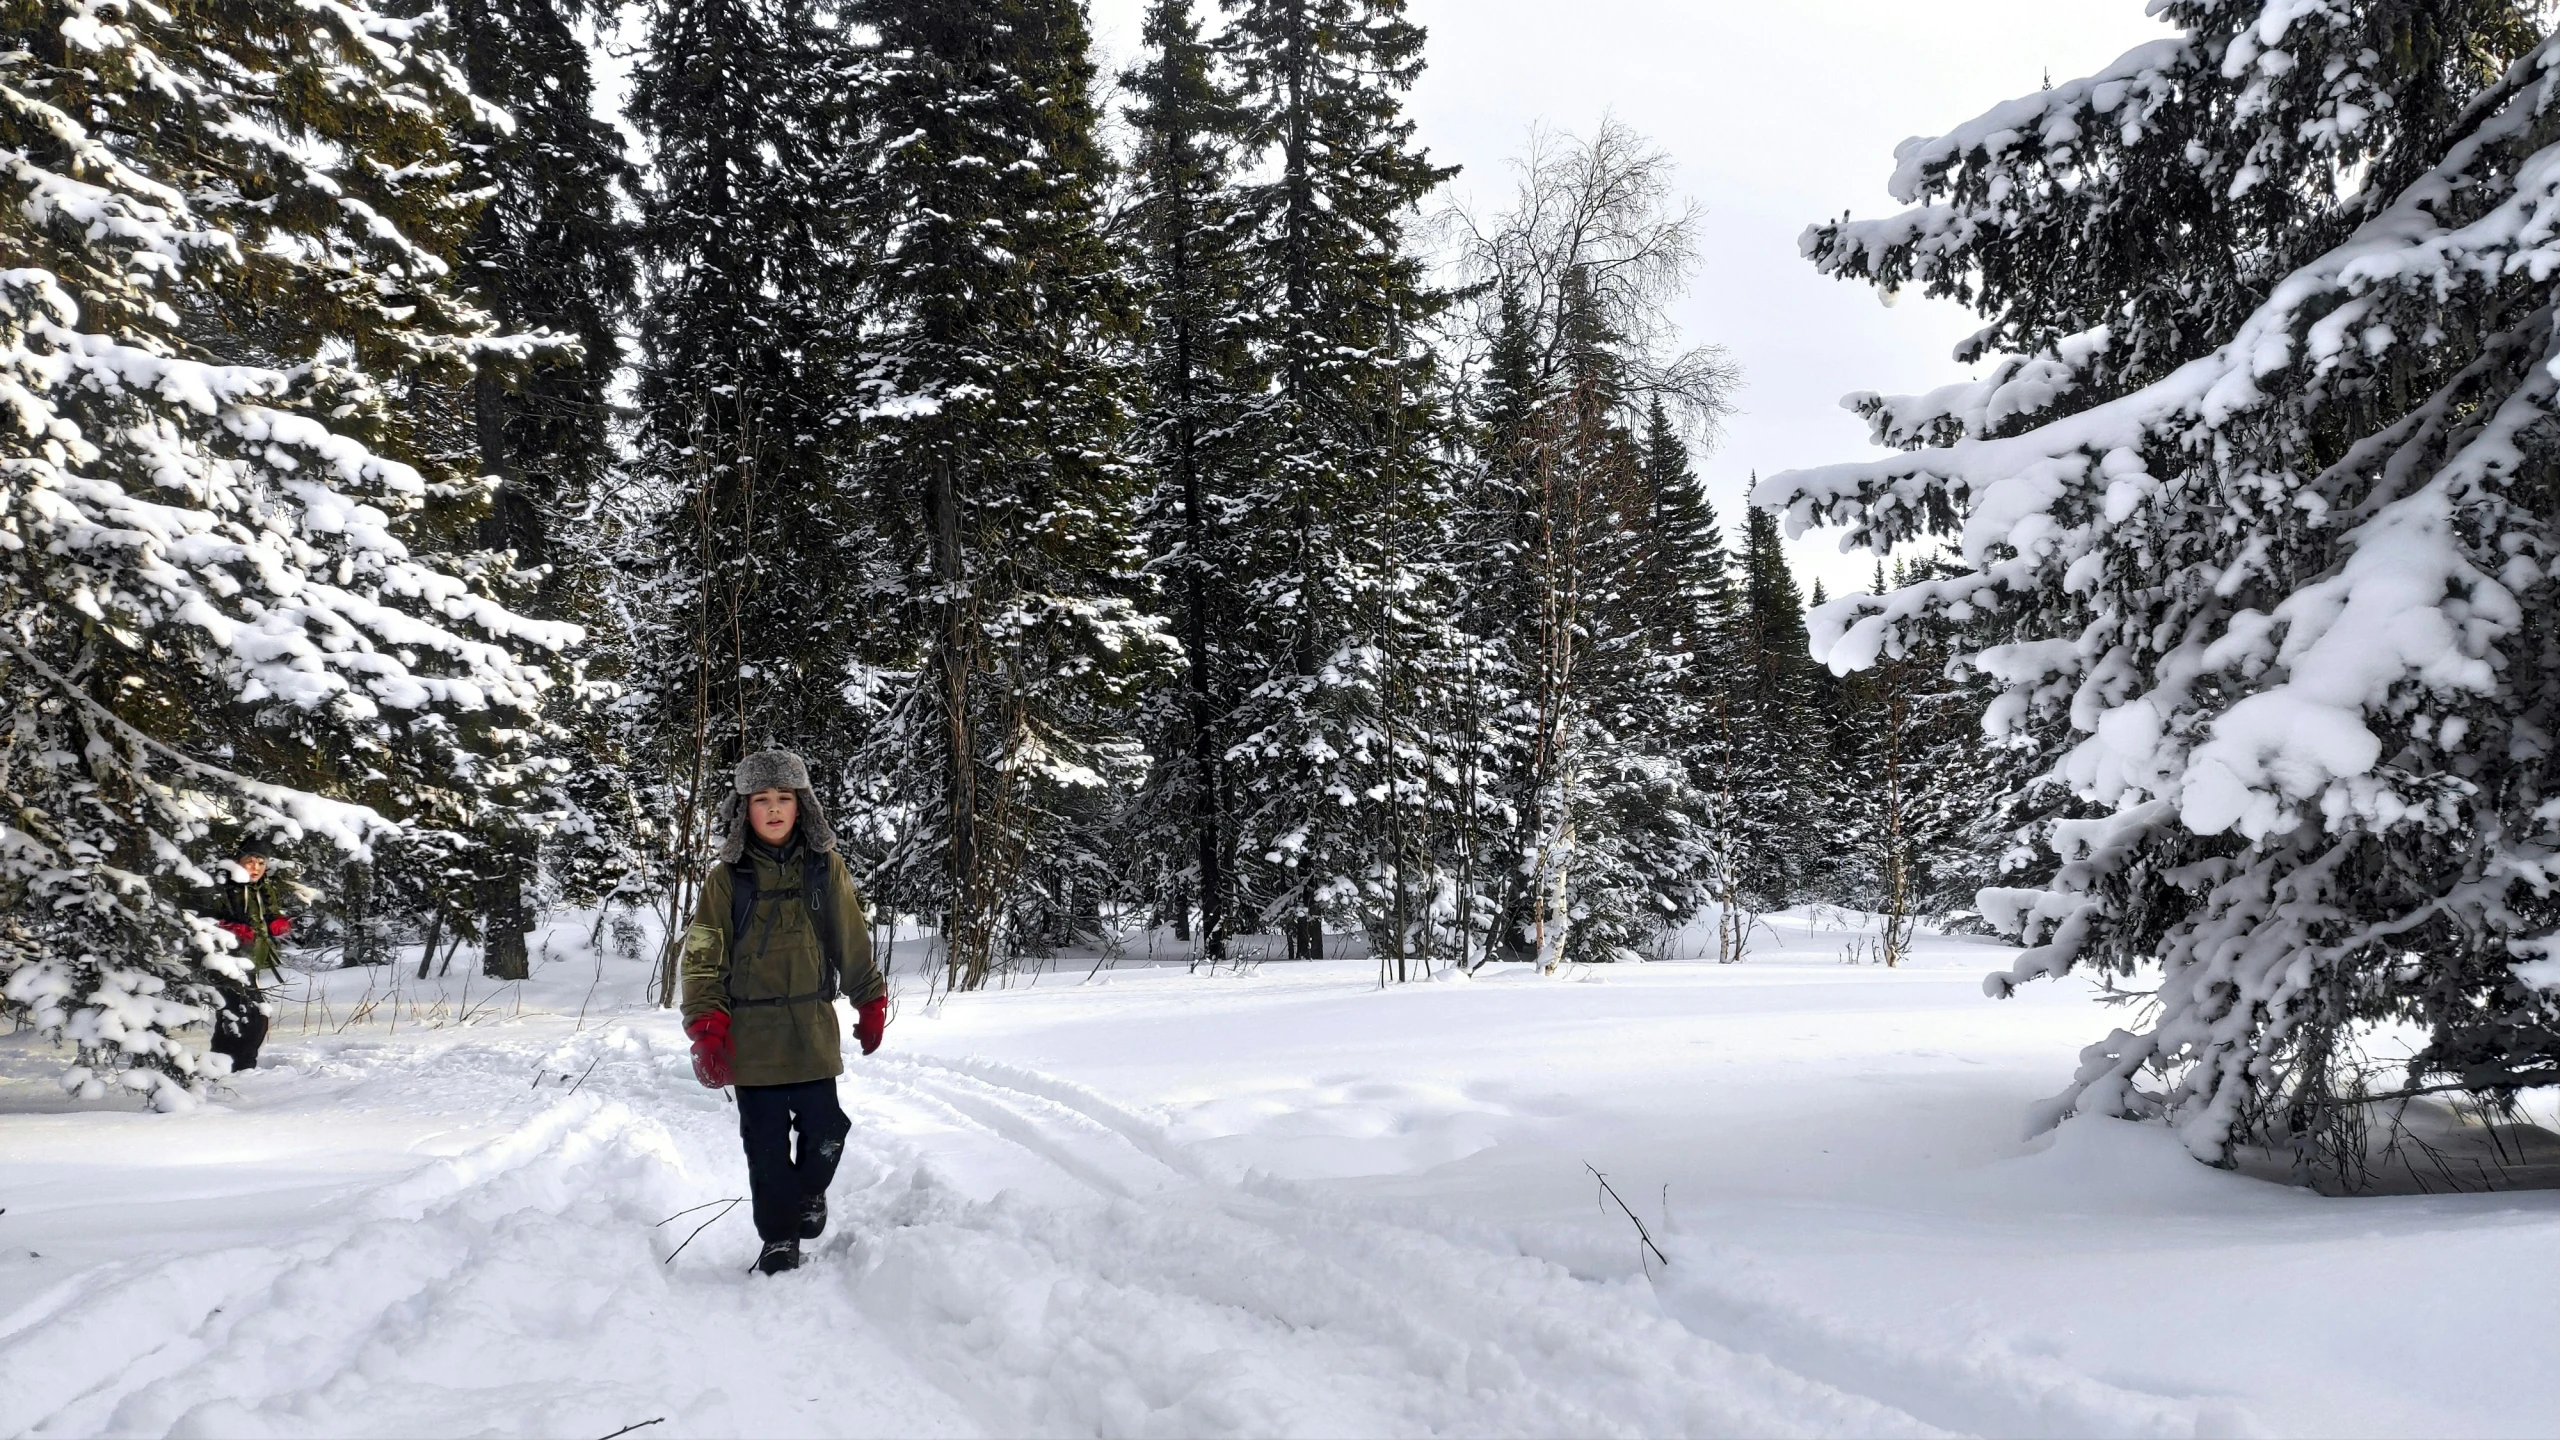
{"x": 1780, "y": 112}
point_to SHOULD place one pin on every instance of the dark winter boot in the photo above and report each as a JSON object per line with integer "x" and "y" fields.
{"x": 813, "y": 1217}
{"x": 779, "y": 1255}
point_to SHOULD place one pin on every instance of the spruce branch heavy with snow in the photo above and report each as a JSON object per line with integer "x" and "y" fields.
{"x": 234, "y": 602}
{"x": 2259, "y": 506}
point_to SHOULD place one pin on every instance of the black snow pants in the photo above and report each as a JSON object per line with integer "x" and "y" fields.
{"x": 240, "y": 1026}
{"x": 779, "y": 1180}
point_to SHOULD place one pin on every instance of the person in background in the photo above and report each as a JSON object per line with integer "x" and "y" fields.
{"x": 780, "y": 931}
{"x": 246, "y": 907}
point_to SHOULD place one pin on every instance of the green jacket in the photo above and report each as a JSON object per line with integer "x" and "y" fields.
{"x": 253, "y": 905}
{"x": 778, "y": 959}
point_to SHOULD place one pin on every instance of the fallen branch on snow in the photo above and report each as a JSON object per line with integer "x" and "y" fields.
{"x": 1641, "y": 1233}
{"x": 732, "y": 1203}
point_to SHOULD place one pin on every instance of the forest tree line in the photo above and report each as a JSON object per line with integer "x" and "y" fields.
{"x": 1148, "y": 500}
{"x": 1145, "y": 498}
{"x": 1173, "y": 533}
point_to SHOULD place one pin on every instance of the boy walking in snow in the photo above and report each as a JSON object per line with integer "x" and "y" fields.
{"x": 245, "y": 907}
{"x": 779, "y": 932}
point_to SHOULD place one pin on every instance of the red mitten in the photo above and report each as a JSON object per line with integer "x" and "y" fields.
{"x": 710, "y": 1032}
{"x": 279, "y": 927}
{"x": 238, "y": 932}
{"x": 872, "y": 1023}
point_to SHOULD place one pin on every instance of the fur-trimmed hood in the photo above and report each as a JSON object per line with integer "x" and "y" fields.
{"x": 772, "y": 770}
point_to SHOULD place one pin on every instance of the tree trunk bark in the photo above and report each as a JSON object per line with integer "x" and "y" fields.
{"x": 964, "y": 934}
{"x": 504, "y": 915}
{"x": 503, "y": 955}
{"x": 1897, "y": 855}
{"x": 363, "y": 944}
{"x": 1208, "y": 797}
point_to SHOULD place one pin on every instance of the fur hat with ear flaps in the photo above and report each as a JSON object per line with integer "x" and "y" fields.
{"x": 772, "y": 770}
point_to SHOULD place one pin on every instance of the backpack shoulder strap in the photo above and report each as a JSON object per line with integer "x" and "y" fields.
{"x": 742, "y": 899}
{"x": 817, "y": 876}
{"x": 742, "y": 913}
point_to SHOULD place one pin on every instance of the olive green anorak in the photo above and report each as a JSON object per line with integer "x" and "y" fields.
{"x": 778, "y": 958}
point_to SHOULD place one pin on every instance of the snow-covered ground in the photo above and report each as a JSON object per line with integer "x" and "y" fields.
{"x": 1278, "y": 1202}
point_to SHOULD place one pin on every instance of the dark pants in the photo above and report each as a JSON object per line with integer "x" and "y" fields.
{"x": 239, "y": 1027}
{"x": 767, "y": 1116}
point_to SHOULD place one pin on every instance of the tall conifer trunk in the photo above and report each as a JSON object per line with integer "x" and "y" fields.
{"x": 965, "y": 934}
{"x": 1306, "y": 931}
{"x": 1197, "y": 305}
{"x": 1208, "y": 801}
{"x": 506, "y": 862}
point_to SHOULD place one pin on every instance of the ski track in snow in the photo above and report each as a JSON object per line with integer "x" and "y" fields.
{"x": 1011, "y": 1254}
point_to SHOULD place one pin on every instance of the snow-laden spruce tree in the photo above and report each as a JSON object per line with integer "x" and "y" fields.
{"x": 230, "y": 606}
{"x": 2257, "y": 523}
{"x": 987, "y": 391}
{"x": 1326, "y": 753}
{"x": 747, "y": 590}
{"x": 1202, "y": 378}
{"x": 1771, "y": 707}
{"x": 552, "y": 251}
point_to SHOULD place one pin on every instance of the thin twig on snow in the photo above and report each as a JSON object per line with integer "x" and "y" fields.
{"x": 1641, "y": 1233}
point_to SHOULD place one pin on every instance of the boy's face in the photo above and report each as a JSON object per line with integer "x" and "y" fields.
{"x": 254, "y": 866}
{"x": 773, "y": 813}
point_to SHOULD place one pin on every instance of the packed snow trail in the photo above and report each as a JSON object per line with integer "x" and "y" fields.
{"x": 1110, "y": 1285}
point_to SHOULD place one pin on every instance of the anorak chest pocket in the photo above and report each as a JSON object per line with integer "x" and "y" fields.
{"x": 785, "y": 964}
